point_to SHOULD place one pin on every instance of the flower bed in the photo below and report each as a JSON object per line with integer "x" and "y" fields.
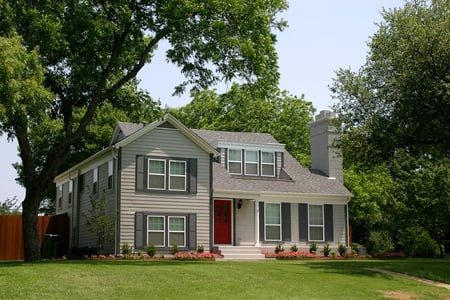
{"x": 290, "y": 255}
{"x": 195, "y": 256}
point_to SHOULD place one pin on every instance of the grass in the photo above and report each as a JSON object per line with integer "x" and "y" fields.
{"x": 306, "y": 279}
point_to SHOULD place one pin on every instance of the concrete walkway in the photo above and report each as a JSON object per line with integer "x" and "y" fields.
{"x": 427, "y": 281}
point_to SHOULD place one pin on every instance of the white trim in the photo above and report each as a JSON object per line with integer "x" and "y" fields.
{"x": 268, "y": 147}
{"x": 156, "y": 174}
{"x": 157, "y": 231}
{"x": 176, "y": 231}
{"x": 317, "y": 226}
{"x": 176, "y": 175}
{"x": 266, "y": 224}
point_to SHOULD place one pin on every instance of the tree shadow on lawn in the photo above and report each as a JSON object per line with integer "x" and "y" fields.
{"x": 346, "y": 267}
{"x": 107, "y": 262}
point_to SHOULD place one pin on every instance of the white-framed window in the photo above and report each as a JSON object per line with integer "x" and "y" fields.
{"x": 316, "y": 223}
{"x": 95, "y": 181}
{"x": 235, "y": 161}
{"x": 60, "y": 196}
{"x": 110, "y": 174}
{"x": 268, "y": 164}
{"x": 251, "y": 162}
{"x": 70, "y": 191}
{"x": 272, "y": 217}
{"x": 177, "y": 175}
{"x": 156, "y": 228}
{"x": 177, "y": 231}
{"x": 156, "y": 174}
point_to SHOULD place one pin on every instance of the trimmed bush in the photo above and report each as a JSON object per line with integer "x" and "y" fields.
{"x": 379, "y": 242}
{"x": 417, "y": 242}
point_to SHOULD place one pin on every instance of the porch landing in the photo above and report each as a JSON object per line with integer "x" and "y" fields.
{"x": 241, "y": 253}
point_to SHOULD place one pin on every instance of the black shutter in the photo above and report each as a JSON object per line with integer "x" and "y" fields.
{"x": 286, "y": 222}
{"x": 193, "y": 176}
{"x": 261, "y": 221}
{"x": 140, "y": 223}
{"x": 192, "y": 231}
{"x": 328, "y": 219}
{"x": 140, "y": 177}
{"x": 303, "y": 222}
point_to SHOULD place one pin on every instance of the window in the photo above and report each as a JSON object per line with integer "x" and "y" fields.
{"x": 234, "y": 161}
{"x": 70, "y": 191}
{"x": 60, "y": 193}
{"x": 251, "y": 162}
{"x": 177, "y": 232}
{"x": 177, "y": 175}
{"x": 273, "y": 221}
{"x": 156, "y": 231}
{"x": 156, "y": 174}
{"x": 95, "y": 181}
{"x": 267, "y": 164}
{"x": 315, "y": 223}
{"x": 110, "y": 175}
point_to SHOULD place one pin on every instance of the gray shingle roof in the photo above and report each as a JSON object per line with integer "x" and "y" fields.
{"x": 302, "y": 180}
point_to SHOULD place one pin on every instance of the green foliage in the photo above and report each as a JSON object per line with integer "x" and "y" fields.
{"x": 341, "y": 249}
{"x": 278, "y": 248}
{"x": 151, "y": 250}
{"x": 174, "y": 249}
{"x": 98, "y": 221}
{"x": 61, "y": 62}
{"x": 200, "y": 249}
{"x": 326, "y": 250}
{"x": 125, "y": 249}
{"x": 417, "y": 242}
{"x": 294, "y": 248}
{"x": 10, "y": 207}
{"x": 243, "y": 108}
{"x": 379, "y": 242}
{"x": 313, "y": 248}
{"x": 355, "y": 248}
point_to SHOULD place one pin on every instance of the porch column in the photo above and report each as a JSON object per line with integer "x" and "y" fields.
{"x": 255, "y": 202}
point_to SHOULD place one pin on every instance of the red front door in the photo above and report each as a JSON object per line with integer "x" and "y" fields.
{"x": 222, "y": 222}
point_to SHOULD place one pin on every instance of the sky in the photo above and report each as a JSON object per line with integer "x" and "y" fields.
{"x": 323, "y": 36}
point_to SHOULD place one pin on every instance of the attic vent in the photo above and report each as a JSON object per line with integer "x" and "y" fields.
{"x": 166, "y": 125}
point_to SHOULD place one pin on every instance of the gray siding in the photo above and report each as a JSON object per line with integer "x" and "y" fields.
{"x": 339, "y": 224}
{"x": 163, "y": 142}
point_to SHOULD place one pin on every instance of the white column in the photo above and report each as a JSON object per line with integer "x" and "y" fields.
{"x": 257, "y": 244}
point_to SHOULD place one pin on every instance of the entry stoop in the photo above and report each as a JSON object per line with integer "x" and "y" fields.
{"x": 241, "y": 253}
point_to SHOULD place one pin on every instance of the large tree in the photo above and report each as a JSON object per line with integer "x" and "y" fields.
{"x": 401, "y": 97}
{"x": 61, "y": 60}
{"x": 395, "y": 112}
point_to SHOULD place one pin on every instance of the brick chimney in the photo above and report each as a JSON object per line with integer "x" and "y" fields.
{"x": 325, "y": 157}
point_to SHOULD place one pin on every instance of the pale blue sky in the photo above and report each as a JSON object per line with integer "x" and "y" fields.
{"x": 323, "y": 36}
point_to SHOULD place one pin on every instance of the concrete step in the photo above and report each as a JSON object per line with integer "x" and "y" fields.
{"x": 241, "y": 253}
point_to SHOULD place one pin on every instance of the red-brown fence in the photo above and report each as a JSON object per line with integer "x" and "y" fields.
{"x": 11, "y": 236}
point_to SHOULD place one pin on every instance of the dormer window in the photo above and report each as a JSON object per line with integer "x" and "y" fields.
{"x": 234, "y": 161}
{"x": 251, "y": 162}
{"x": 267, "y": 164}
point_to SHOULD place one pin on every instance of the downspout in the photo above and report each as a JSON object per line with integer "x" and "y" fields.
{"x": 117, "y": 191}
{"x": 211, "y": 199}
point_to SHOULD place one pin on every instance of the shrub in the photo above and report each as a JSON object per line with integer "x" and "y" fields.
{"x": 294, "y": 248}
{"x": 416, "y": 242}
{"x": 313, "y": 248}
{"x": 278, "y": 248}
{"x": 379, "y": 242}
{"x": 200, "y": 249}
{"x": 151, "y": 250}
{"x": 341, "y": 249}
{"x": 355, "y": 248}
{"x": 326, "y": 250}
{"x": 174, "y": 249}
{"x": 125, "y": 249}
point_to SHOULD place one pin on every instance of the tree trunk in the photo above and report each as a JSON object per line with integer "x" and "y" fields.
{"x": 32, "y": 248}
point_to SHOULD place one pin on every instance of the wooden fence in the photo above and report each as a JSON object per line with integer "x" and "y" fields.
{"x": 11, "y": 236}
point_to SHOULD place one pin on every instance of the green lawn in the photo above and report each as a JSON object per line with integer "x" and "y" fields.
{"x": 306, "y": 279}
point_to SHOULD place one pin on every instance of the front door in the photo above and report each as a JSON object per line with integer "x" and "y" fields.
{"x": 222, "y": 222}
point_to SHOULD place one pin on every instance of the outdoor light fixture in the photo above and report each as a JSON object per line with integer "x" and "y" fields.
{"x": 239, "y": 205}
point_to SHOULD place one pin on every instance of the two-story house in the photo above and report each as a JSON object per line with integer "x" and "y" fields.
{"x": 166, "y": 184}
